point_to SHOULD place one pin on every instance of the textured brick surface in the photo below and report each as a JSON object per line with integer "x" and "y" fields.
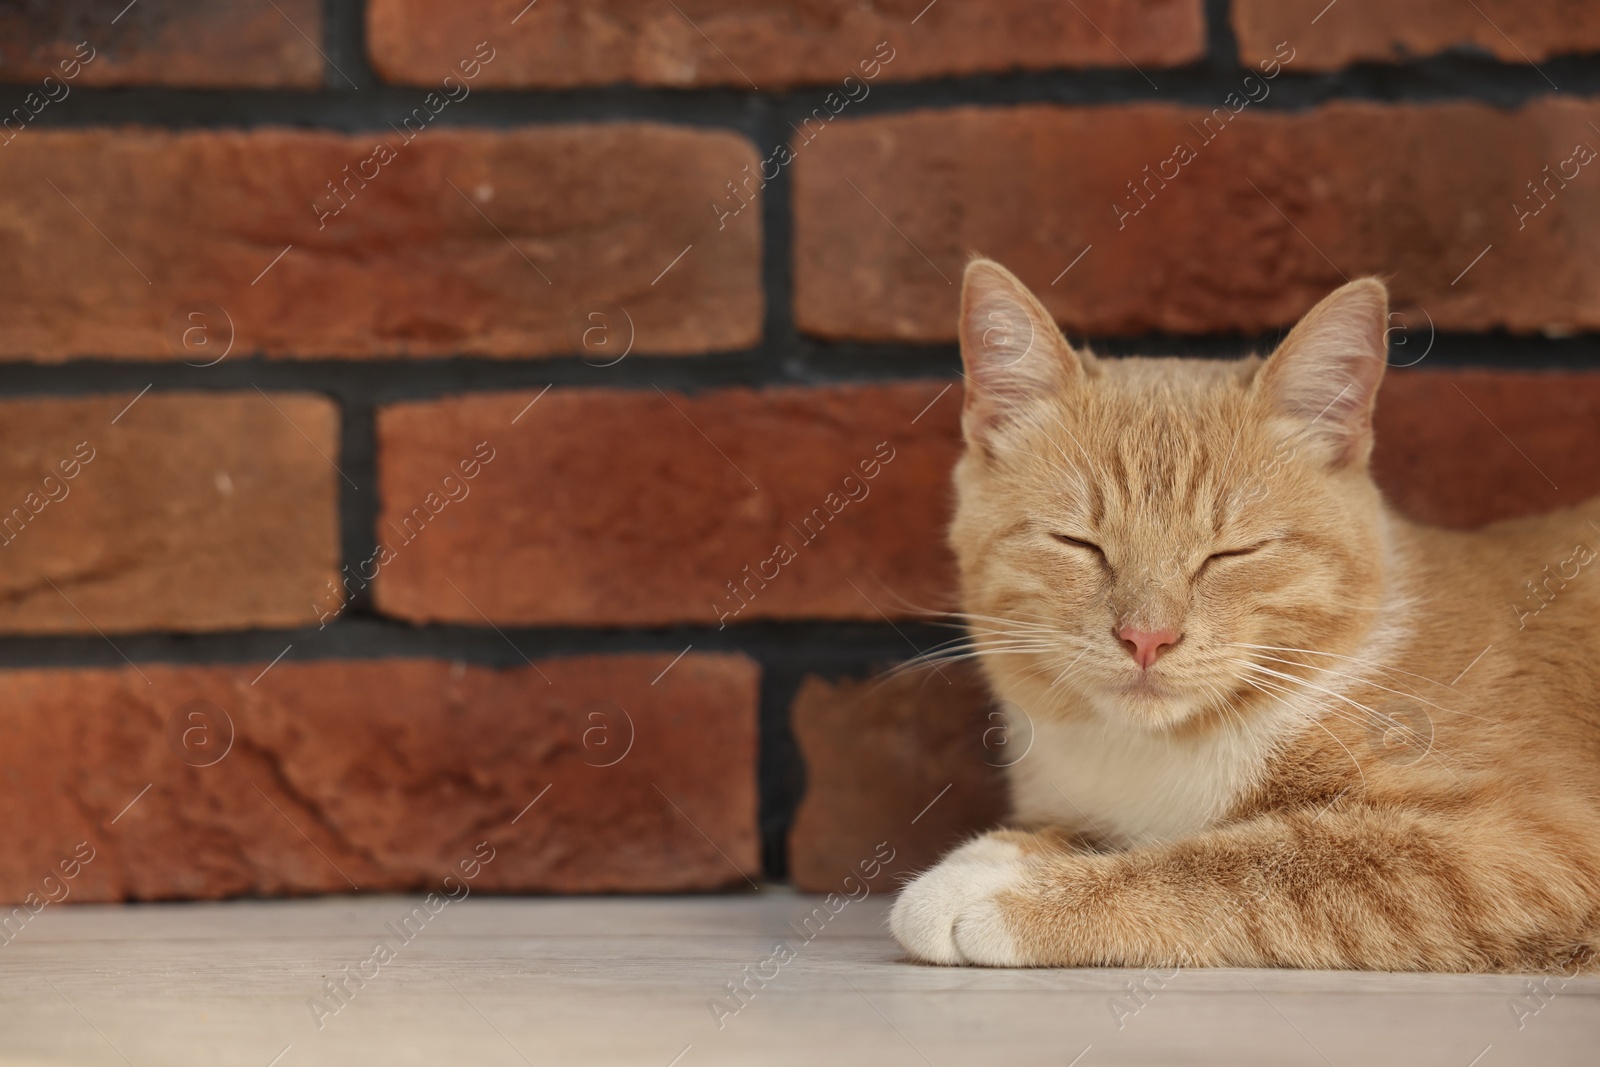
{"x": 1352, "y": 31}
{"x": 914, "y": 759}
{"x": 201, "y": 43}
{"x": 194, "y": 511}
{"x": 638, "y": 508}
{"x": 775, "y": 44}
{"x": 384, "y": 774}
{"x": 615, "y": 508}
{"x": 1264, "y": 220}
{"x": 1466, "y": 447}
{"x": 492, "y": 243}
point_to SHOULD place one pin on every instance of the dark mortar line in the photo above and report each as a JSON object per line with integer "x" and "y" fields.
{"x": 780, "y": 769}
{"x": 777, "y": 258}
{"x": 1222, "y": 47}
{"x": 359, "y": 504}
{"x": 829, "y": 649}
{"x": 344, "y": 42}
{"x": 1454, "y": 78}
{"x": 359, "y": 383}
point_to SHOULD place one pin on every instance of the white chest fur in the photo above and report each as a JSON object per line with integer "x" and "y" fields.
{"x": 1130, "y": 786}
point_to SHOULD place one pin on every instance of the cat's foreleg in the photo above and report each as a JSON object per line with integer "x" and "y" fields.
{"x": 1347, "y": 888}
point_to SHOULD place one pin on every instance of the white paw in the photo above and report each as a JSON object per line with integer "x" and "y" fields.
{"x": 949, "y": 913}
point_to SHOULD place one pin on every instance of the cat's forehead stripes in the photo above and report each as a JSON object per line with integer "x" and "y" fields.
{"x": 1163, "y": 453}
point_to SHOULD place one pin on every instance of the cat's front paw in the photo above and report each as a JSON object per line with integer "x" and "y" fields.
{"x": 951, "y": 913}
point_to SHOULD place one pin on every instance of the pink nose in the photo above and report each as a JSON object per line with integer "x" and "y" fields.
{"x": 1146, "y": 646}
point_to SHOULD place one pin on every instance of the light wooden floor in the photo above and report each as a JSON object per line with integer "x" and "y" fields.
{"x": 629, "y": 981}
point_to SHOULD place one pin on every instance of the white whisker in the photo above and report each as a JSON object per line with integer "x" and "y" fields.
{"x": 1353, "y": 761}
{"x": 1358, "y": 680}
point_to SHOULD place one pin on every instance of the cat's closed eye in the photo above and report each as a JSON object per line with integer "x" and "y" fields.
{"x": 1232, "y": 553}
{"x": 1078, "y": 542}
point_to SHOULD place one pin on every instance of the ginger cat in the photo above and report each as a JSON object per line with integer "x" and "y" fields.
{"x": 1274, "y": 723}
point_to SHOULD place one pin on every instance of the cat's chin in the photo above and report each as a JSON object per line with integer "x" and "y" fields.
{"x": 1145, "y": 702}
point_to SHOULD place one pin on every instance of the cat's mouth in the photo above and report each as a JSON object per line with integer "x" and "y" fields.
{"x": 1145, "y": 698}
{"x": 1145, "y": 684}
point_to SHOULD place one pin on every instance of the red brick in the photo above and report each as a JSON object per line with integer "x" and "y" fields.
{"x": 258, "y": 44}
{"x": 773, "y": 45}
{"x": 1465, "y": 447}
{"x": 196, "y": 511}
{"x": 638, "y": 508}
{"x": 410, "y": 267}
{"x": 389, "y": 771}
{"x": 1354, "y": 31}
{"x": 1267, "y": 218}
{"x": 912, "y": 759}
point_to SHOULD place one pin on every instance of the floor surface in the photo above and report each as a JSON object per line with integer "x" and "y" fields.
{"x": 639, "y": 981}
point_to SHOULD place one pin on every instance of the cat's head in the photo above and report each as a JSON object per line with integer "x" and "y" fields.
{"x": 1131, "y": 532}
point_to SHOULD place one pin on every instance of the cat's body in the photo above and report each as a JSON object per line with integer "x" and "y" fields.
{"x": 1272, "y": 723}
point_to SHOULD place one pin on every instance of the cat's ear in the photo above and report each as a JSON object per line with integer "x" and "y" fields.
{"x": 1325, "y": 374}
{"x": 1013, "y": 352}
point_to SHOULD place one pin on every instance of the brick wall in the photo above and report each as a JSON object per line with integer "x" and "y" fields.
{"x": 426, "y": 424}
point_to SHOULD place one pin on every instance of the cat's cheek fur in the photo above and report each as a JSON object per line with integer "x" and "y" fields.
{"x": 952, "y": 913}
